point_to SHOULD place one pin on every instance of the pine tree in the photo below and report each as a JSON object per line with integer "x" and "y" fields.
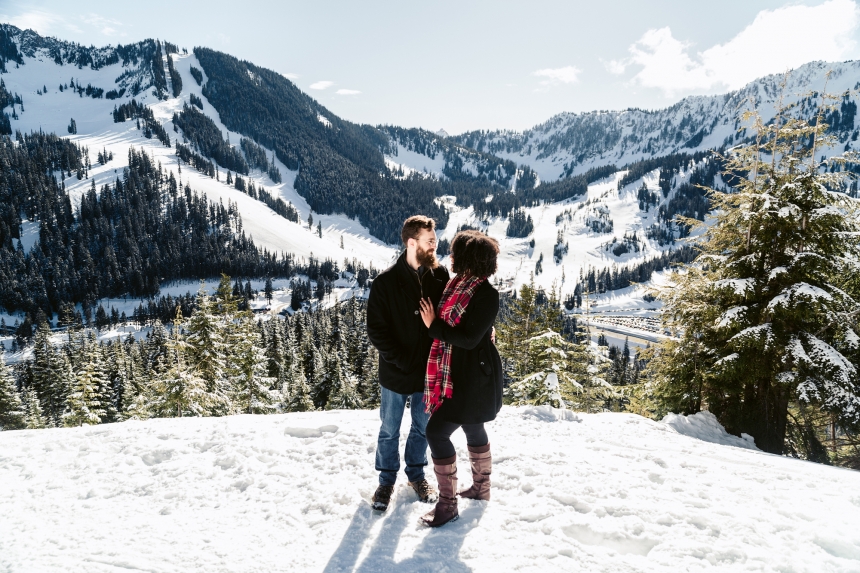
{"x": 518, "y": 327}
{"x": 527, "y": 316}
{"x": 51, "y": 380}
{"x": 252, "y": 386}
{"x": 84, "y": 403}
{"x": 269, "y": 290}
{"x": 180, "y": 390}
{"x": 563, "y": 375}
{"x": 206, "y": 350}
{"x": 12, "y": 412}
{"x": 344, "y": 394}
{"x": 34, "y": 419}
{"x": 299, "y": 391}
{"x": 369, "y": 388}
{"x": 767, "y": 321}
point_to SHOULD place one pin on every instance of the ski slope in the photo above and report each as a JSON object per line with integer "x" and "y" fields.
{"x": 571, "y": 492}
{"x": 96, "y": 130}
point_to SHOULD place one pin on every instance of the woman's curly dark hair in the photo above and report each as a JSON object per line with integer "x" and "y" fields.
{"x": 474, "y": 253}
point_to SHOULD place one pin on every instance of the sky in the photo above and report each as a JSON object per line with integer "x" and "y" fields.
{"x": 469, "y": 65}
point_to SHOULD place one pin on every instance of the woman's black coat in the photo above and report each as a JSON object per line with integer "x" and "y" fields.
{"x": 476, "y": 369}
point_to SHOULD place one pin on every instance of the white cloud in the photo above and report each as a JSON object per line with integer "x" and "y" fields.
{"x": 776, "y": 40}
{"x": 615, "y": 67}
{"x": 347, "y": 92}
{"x": 325, "y": 84}
{"x": 291, "y": 76}
{"x": 106, "y": 26}
{"x": 554, "y": 76}
{"x": 38, "y": 20}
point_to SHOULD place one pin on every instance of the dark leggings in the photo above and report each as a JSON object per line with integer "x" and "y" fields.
{"x": 439, "y": 436}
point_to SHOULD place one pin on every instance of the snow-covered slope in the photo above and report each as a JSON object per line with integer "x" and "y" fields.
{"x": 575, "y": 142}
{"x": 571, "y": 492}
{"x": 568, "y": 143}
{"x": 53, "y": 110}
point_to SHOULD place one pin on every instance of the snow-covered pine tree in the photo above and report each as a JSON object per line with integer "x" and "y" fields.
{"x": 107, "y": 396}
{"x": 763, "y": 315}
{"x": 518, "y": 326}
{"x": 206, "y": 351}
{"x": 369, "y": 388}
{"x": 299, "y": 391}
{"x": 51, "y": 379}
{"x": 119, "y": 370}
{"x": 564, "y": 375}
{"x": 252, "y": 387}
{"x": 180, "y": 390}
{"x": 84, "y": 403}
{"x": 137, "y": 393}
{"x": 34, "y": 419}
{"x": 344, "y": 392}
{"x": 275, "y": 348}
{"x": 12, "y": 413}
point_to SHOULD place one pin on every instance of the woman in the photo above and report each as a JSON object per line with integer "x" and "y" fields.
{"x": 463, "y": 385}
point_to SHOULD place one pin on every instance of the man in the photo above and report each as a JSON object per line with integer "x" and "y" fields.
{"x": 395, "y": 328}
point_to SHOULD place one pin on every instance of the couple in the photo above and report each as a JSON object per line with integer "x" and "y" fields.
{"x": 434, "y": 337}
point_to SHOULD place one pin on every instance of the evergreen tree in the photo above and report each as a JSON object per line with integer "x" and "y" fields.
{"x": 84, "y": 403}
{"x": 370, "y": 389}
{"x": 269, "y": 290}
{"x": 12, "y": 412}
{"x": 765, "y": 316}
{"x": 34, "y": 419}
{"x": 563, "y": 375}
{"x": 50, "y": 380}
{"x": 299, "y": 391}
{"x": 344, "y": 393}
{"x": 180, "y": 390}
{"x": 252, "y": 386}
{"x": 515, "y": 329}
{"x": 206, "y": 351}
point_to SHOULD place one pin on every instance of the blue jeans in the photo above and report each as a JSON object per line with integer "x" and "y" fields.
{"x": 391, "y": 409}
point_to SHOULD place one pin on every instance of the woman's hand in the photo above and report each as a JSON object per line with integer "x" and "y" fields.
{"x": 428, "y": 313}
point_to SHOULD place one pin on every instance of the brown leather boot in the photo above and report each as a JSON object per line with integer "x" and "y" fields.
{"x": 482, "y": 465}
{"x": 446, "y": 507}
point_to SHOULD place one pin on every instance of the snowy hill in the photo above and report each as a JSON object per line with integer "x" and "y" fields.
{"x": 571, "y": 143}
{"x": 50, "y": 109}
{"x": 571, "y": 492}
{"x": 51, "y": 112}
{"x": 606, "y": 224}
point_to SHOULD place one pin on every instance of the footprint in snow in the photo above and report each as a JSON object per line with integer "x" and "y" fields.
{"x": 310, "y": 432}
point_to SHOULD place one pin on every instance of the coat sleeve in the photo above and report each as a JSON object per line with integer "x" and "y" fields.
{"x": 380, "y": 330}
{"x": 474, "y": 324}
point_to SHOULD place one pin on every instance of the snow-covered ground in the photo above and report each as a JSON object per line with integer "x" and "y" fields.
{"x": 571, "y": 492}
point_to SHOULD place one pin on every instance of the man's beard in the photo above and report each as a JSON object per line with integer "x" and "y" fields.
{"x": 426, "y": 259}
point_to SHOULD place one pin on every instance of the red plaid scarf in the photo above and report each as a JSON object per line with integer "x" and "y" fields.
{"x": 455, "y": 299}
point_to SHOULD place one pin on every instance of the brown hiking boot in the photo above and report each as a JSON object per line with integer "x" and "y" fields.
{"x": 382, "y": 497}
{"x": 482, "y": 465}
{"x": 446, "y": 507}
{"x": 426, "y": 492}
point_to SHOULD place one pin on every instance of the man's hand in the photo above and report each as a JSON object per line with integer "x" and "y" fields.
{"x": 428, "y": 313}
{"x": 493, "y": 335}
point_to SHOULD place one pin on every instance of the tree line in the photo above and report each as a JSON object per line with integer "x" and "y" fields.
{"x": 125, "y": 238}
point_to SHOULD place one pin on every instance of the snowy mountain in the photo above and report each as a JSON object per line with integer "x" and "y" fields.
{"x": 571, "y": 492}
{"x": 583, "y": 180}
{"x": 571, "y": 143}
{"x": 51, "y": 109}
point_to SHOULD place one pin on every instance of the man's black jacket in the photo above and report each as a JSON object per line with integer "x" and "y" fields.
{"x": 394, "y": 323}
